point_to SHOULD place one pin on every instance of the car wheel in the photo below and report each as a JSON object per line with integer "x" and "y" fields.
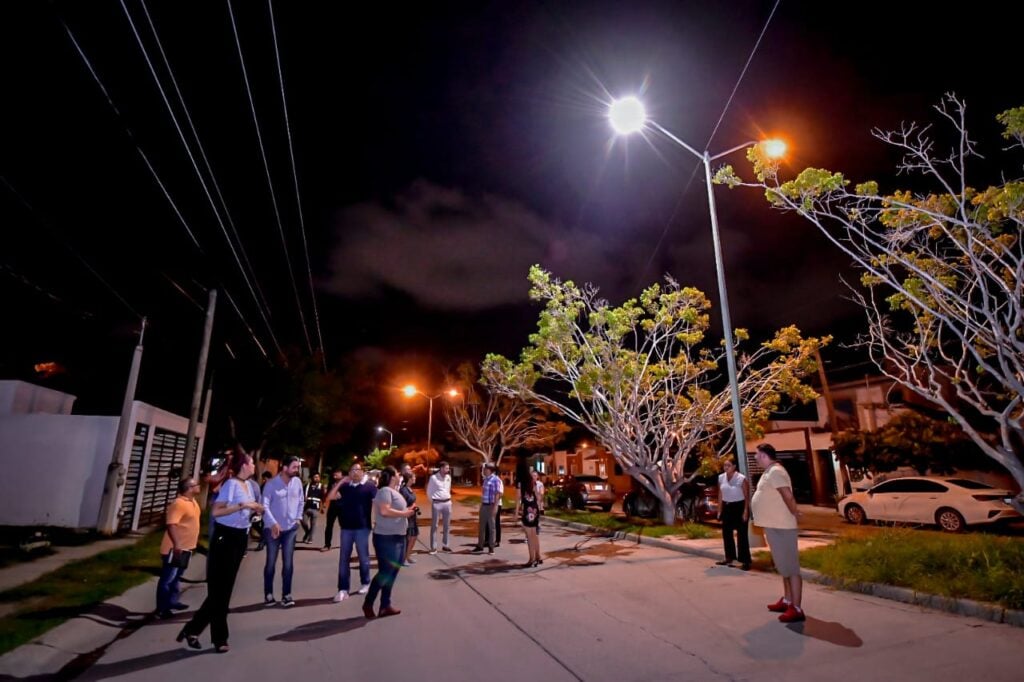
{"x": 950, "y": 520}
{"x": 855, "y": 514}
{"x": 606, "y": 507}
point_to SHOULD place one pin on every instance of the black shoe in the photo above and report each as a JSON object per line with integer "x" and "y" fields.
{"x": 490, "y": 550}
{"x": 259, "y": 548}
{"x": 191, "y": 640}
{"x": 164, "y": 615}
{"x": 745, "y": 567}
{"x": 477, "y": 550}
{"x": 287, "y": 601}
{"x": 724, "y": 562}
{"x": 446, "y": 549}
{"x": 179, "y": 607}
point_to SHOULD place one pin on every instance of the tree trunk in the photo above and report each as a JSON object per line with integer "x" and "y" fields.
{"x": 668, "y": 509}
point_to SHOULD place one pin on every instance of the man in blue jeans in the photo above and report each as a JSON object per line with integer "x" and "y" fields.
{"x": 355, "y": 502}
{"x": 283, "y": 504}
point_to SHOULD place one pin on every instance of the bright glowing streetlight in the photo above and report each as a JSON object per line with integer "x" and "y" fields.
{"x": 627, "y": 115}
{"x": 410, "y": 391}
{"x": 391, "y": 436}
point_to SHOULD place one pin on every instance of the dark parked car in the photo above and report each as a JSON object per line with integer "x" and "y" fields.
{"x": 580, "y": 492}
{"x": 698, "y": 501}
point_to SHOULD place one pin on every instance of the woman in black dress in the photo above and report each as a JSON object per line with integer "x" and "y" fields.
{"x": 528, "y": 511}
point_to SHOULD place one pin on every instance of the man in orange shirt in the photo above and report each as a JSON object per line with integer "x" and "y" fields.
{"x": 179, "y": 541}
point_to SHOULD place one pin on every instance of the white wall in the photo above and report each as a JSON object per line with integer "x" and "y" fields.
{"x": 54, "y": 467}
{"x": 21, "y": 397}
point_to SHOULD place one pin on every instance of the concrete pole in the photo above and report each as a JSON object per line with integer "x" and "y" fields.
{"x": 107, "y": 522}
{"x": 197, "y": 392}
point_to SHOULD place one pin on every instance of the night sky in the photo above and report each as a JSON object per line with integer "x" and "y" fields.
{"x": 440, "y": 152}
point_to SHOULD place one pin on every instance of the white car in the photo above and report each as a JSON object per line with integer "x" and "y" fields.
{"x": 950, "y": 503}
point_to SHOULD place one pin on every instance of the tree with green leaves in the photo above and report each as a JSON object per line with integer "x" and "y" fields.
{"x": 942, "y": 269}
{"x": 492, "y": 424}
{"x": 644, "y": 378}
{"x": 914, "y": 440}
{"x": 379, "y": 458}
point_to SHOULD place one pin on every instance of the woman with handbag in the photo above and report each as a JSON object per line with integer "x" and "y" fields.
{"x": 231, "y": 512}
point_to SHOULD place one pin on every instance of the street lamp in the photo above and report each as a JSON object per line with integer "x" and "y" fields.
{"x": 391, "y": 436}
{"x": 411, "y": 391}
{"x": 627, "y": 115}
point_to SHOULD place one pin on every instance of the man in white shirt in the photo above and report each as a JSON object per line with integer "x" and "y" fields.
{"x": 776, "y": 511}
{"x": 439, "y": 490}
{"x": 283, "y": 502}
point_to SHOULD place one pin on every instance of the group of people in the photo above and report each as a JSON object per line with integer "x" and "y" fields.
{"x": 383, "y": 512}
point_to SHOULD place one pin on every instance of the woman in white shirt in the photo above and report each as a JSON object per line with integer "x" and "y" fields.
{"x": 734, "y": 513}
{"x": 231, "y": 512}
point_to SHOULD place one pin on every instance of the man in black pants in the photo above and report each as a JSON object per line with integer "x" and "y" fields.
{"x": 333, "y": 509}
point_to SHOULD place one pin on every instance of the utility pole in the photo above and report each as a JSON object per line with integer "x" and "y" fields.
{"x": 107, "y": 522}
{"x": 844, "y": 483}
{"x": 197, "y": 392}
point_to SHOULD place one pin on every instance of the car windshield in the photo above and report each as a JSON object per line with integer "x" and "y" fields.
{"x": 970, "y": 485}
{"x": 590, "y": 479}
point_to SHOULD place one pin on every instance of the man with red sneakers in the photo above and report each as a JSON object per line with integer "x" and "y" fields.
{"x": 776, "y": 511}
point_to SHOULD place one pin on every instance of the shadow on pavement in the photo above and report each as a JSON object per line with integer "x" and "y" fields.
{"x": 102, "y": 671}
{"x": 299, "y": 603}
{"x": 320, "y": 629}
{"x": 833, "y": 633}
{"x": 489, "y": 567}
{"x": 110, "y": 615}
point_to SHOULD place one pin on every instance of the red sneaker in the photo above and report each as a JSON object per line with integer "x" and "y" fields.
{"x": 779, "y": 606}
{"x": 792, "y": 615}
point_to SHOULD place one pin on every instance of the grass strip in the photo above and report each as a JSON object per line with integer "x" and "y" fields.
{"x": 51, "y": 599}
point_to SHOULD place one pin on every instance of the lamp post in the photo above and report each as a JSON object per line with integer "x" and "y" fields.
{"x": 391, "y": 436}
{"x": 627, "y": 116}
{"x": 411, "y": 391}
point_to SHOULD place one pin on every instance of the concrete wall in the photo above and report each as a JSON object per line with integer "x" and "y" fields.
{"x": 20, "y": 397}
{"x": 54, "y": 467}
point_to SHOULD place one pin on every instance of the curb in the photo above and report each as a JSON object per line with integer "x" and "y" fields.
{"x": 960, "y": 607}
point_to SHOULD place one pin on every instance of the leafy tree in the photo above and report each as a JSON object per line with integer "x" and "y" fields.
{"x": 643, "y": 379}
{"x": 911, "y": 440}
{"x": 941, "y": 271}
{"x": 492, "y": 425}
{"x": 379, "y": 458}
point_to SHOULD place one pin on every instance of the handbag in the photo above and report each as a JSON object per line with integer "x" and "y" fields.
{"x": 180, "y": 559}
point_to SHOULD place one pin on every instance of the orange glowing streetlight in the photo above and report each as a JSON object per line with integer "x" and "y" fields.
{"x": 410, "y": 391}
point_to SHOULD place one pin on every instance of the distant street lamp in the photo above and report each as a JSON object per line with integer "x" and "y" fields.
{"x": 411, "y": 391}
{"x": 627, "y": 116}
{"x": 391, "y": 436}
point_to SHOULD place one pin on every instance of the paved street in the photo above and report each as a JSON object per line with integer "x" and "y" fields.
{"x": 596, "y": 610}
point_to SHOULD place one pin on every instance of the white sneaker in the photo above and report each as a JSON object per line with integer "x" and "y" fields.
{"x": 364, "y": 589}
{"x": 433, "y": 551}
{"x": 340, "y": 597}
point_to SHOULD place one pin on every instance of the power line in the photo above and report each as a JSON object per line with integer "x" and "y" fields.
{"x": 67, "y": 245}
{"x": 270, "y": 182}
{"x": 295, "y": 177}
{"x": 693, "y": 175}
{"x": 203, "y": 156}
{"x": 152, "y": 170}
{"x": 199, "y": 175}
{"x": 131, "y": 135}
{"x": 743, "y": 73}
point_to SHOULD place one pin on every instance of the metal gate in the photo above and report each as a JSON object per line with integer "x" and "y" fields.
{"x": 132, "y": 477}
{"x": 166, "y": 458}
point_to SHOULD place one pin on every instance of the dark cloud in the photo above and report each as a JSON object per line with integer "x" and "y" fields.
{"x": 451, "y": 250}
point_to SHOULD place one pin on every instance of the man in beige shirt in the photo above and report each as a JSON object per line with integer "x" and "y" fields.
{"x": 776, "y": 511}
{"x": 181, "y": 536}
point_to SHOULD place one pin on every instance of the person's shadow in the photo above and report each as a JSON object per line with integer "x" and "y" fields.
{"x": 320, "y": 629}
{"x": 833, "y": 633}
